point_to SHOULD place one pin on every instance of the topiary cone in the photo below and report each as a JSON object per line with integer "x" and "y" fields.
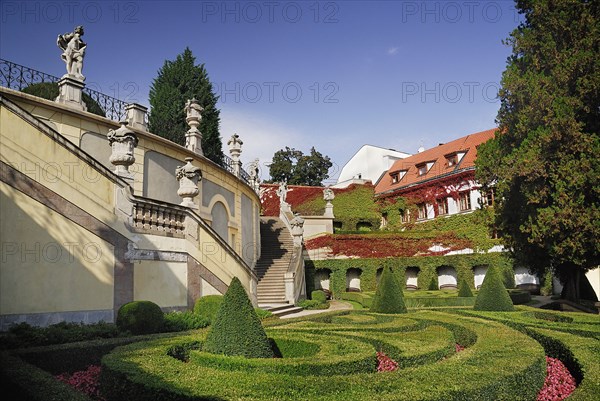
{"x": 389, "y": 297}
{"x": 463, "y": 289}
{"x": 236, "y": 329}
{"x": 492, "y": 294}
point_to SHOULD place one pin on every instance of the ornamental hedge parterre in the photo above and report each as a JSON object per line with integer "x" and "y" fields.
{"x": 335, "y": 353}
{"x": 340, "y": 362}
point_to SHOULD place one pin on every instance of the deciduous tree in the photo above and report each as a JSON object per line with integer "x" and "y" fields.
{"x": 545, "y": 157}
{"x": 296, "y": 168}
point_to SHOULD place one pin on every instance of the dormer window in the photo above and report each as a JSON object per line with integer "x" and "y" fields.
{"x": 423, "y": 168}
{"x": 452, "y": 160}
{"x": 397, "y": 176}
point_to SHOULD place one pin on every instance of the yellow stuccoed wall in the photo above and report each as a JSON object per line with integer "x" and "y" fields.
{"x": 75, "y": 280}
{"x": 164, "y": 283}
{"x": 49, "y": 263}
{"x": 73, "y": 125}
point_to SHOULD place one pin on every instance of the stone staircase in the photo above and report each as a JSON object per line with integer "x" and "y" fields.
{"x": 276, "y": 252}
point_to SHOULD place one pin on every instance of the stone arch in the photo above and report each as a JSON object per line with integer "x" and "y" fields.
{"x": 526, "y": 281}
{"x": 218, "y": 198}
{"x": 322, "y": 279}
{"x": 447, "y": 277}
{"x": 353, "y": 279}
{"x": 220, "y": 220}
{"x": 479, "y": 272}
{"x": 412, "y": 278}
{"x": 364, "y": 226}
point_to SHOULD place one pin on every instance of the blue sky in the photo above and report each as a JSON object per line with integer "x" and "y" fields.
{"x": 331, "y": 74}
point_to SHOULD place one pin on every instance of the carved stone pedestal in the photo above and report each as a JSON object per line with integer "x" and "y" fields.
{"x": 70, "y": 93}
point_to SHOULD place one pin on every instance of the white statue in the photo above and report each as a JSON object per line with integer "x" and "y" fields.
{"x": 73, "y": 52}
{"x": 328, "y": 195}
{"x": 282, "y": 191}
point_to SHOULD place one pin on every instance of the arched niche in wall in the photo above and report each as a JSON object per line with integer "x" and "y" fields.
{"x": 479, "y": 274}
{"x": 353, "y": 279}
{"x": 220, "y": 220}
{"x": 447, "y": 277}
{"x": 159, "y": 177}
{"x": 97, "y": 146}
{"x": 412, "y": 278}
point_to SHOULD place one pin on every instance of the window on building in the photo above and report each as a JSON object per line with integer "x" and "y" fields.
{"x": 422, "y": 169}
{"x": 422, "y": 208}
{"x": 464, "y": 201}
{"x": 452, "y": 160}
{"x": 384, "y": 219}
{"x": 442, "y": 206}
{"x": 404, "y": 215}
{"x": 395, "y": 177}
{"x": 489, "y": 196}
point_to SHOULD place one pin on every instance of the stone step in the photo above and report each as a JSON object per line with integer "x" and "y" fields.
{"x": 282, "y": 310}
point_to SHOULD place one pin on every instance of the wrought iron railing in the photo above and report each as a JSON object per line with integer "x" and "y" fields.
{"x": 229, "y": 164}
{"x": 18, "y": 77}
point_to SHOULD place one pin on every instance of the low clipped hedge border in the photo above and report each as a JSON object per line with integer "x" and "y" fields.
{"x": 427, "y": 265}
{"x": 499, "y": 361}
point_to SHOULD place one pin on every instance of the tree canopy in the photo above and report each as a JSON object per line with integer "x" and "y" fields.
{"x": 296, "y": 168}
{"x": 178, "y": 81}
{"x": 544, "y": 160}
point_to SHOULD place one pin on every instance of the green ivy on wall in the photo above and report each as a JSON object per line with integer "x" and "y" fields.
{"x": 463, "y": 264}
{"x": 351, "y": 206}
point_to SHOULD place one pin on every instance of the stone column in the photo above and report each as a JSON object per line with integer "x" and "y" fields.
{"x": 235, "y": 149}
{"x": 136, "y": 116}
{"x": 193, "y": 137}
{"x": 70, "y": 93}
{"x": 297, "y": 224}
{"x": 328, "y": 196}
{"x": 122, "y": 142}
{"x": 188, "y": 177}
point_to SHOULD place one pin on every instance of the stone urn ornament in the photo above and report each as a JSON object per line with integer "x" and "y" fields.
{"x": 122, "y": 141}
{"x": 188, "y": 177}
{"x": 193, "y": 137}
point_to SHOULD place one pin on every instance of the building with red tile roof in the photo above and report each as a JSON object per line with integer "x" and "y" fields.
{"x": 440, "y": 180}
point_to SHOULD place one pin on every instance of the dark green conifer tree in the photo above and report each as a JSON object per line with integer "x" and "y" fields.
{"x": 178, "y": 81}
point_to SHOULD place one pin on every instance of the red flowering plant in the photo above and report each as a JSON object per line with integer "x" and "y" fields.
{"x": 86, "y": 381}
{"x": 385, "y": 363}
{"x": 559, "y": 383}
{"x": 458, "y": 347}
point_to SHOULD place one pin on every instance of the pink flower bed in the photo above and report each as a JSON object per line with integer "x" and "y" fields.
{"x": 86, "y": 381}
{"x": 559, "y": 382}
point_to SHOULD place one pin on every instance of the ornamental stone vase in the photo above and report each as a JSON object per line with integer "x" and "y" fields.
{"x": 188, "y": 177}
{"x": 122, "y": 141}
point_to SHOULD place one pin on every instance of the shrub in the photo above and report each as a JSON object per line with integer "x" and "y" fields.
{"x": 236, "y": 329}
{"x": 433, "y": 285}
{"x": 140, "y": 317}
{"x": 388, "y": 297}
{"x": 263, "y": 314}
{"x": 519, "y": 297}
{"x": 547, "y": 289}
{"x": 463, "y": 289}
{"x": 318, "y": 295}
{"x": 49, "y": 91}
{"x": 365, "y": 300}
{"x": 182, "y": 321}
{"x": 313, "y": 304}
{"x": 493, "y": 295}
{"x": 208, "y": 306}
